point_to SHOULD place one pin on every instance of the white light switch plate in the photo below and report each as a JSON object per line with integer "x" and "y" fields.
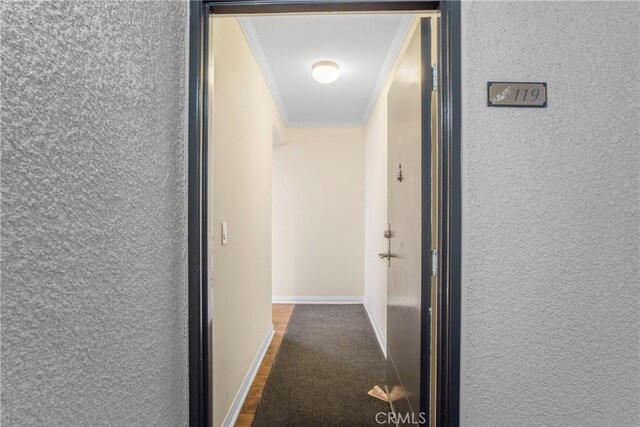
{"x": 224, "y": 233}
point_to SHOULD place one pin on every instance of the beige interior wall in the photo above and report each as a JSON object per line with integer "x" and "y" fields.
{"x": 318, "y": 207}
{"x": 244, "y": 117}
{"x": 375, "y": 215}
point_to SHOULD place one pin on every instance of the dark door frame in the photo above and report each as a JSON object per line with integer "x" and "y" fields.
{"x": 448, "y": 413}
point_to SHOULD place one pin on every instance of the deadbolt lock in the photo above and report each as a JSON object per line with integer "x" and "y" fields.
{"x": 388, "y": 255}
{"x": 387, "y": 232}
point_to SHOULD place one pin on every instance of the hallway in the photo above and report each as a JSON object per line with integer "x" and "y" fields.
{"x": 318, "y": 369}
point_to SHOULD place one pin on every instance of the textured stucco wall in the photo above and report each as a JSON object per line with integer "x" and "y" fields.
{"x": 94, "y": 328}
{"x": 551, "y": 315}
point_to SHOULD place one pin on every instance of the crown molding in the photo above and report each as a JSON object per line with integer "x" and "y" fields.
{"x": 325, "y": 124}
{"x": 387, "y": 66}
{"x": 254, "y": 42}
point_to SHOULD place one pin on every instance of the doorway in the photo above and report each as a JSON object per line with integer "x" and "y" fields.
{"x": 425, "y": 256}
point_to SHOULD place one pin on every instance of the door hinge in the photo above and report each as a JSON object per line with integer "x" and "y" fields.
{"x": 434, "y": 262}
{"x": 434, "y": 73}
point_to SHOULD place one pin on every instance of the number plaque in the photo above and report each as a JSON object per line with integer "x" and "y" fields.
{"x": 517, "y": 94}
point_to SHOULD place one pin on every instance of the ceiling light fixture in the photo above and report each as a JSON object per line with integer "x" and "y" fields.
{"x": 325, "y": 71}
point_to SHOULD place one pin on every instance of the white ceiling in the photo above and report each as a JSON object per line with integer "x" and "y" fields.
{"x": 364, "y": 46}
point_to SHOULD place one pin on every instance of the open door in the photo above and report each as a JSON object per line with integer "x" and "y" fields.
{"x": 412, "y": 159}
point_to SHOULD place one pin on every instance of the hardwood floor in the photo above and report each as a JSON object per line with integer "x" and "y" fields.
{"x": 281, "y": 316}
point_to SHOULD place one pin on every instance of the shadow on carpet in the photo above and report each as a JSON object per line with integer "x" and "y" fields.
{"x": 328, "y": 361}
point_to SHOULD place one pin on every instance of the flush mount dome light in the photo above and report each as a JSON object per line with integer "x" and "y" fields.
{"x": 325, "y": 71}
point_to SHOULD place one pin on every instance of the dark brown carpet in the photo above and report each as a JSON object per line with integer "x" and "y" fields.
{"x": 328, "y": 361}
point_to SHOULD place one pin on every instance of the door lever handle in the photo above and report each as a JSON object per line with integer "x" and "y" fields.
{"x": 387, "y": 255}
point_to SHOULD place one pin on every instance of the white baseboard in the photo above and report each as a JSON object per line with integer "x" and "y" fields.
{"x": 379, "y": 335}
{"x": 234, "y": 411}
{"x": 316, "y": 300}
